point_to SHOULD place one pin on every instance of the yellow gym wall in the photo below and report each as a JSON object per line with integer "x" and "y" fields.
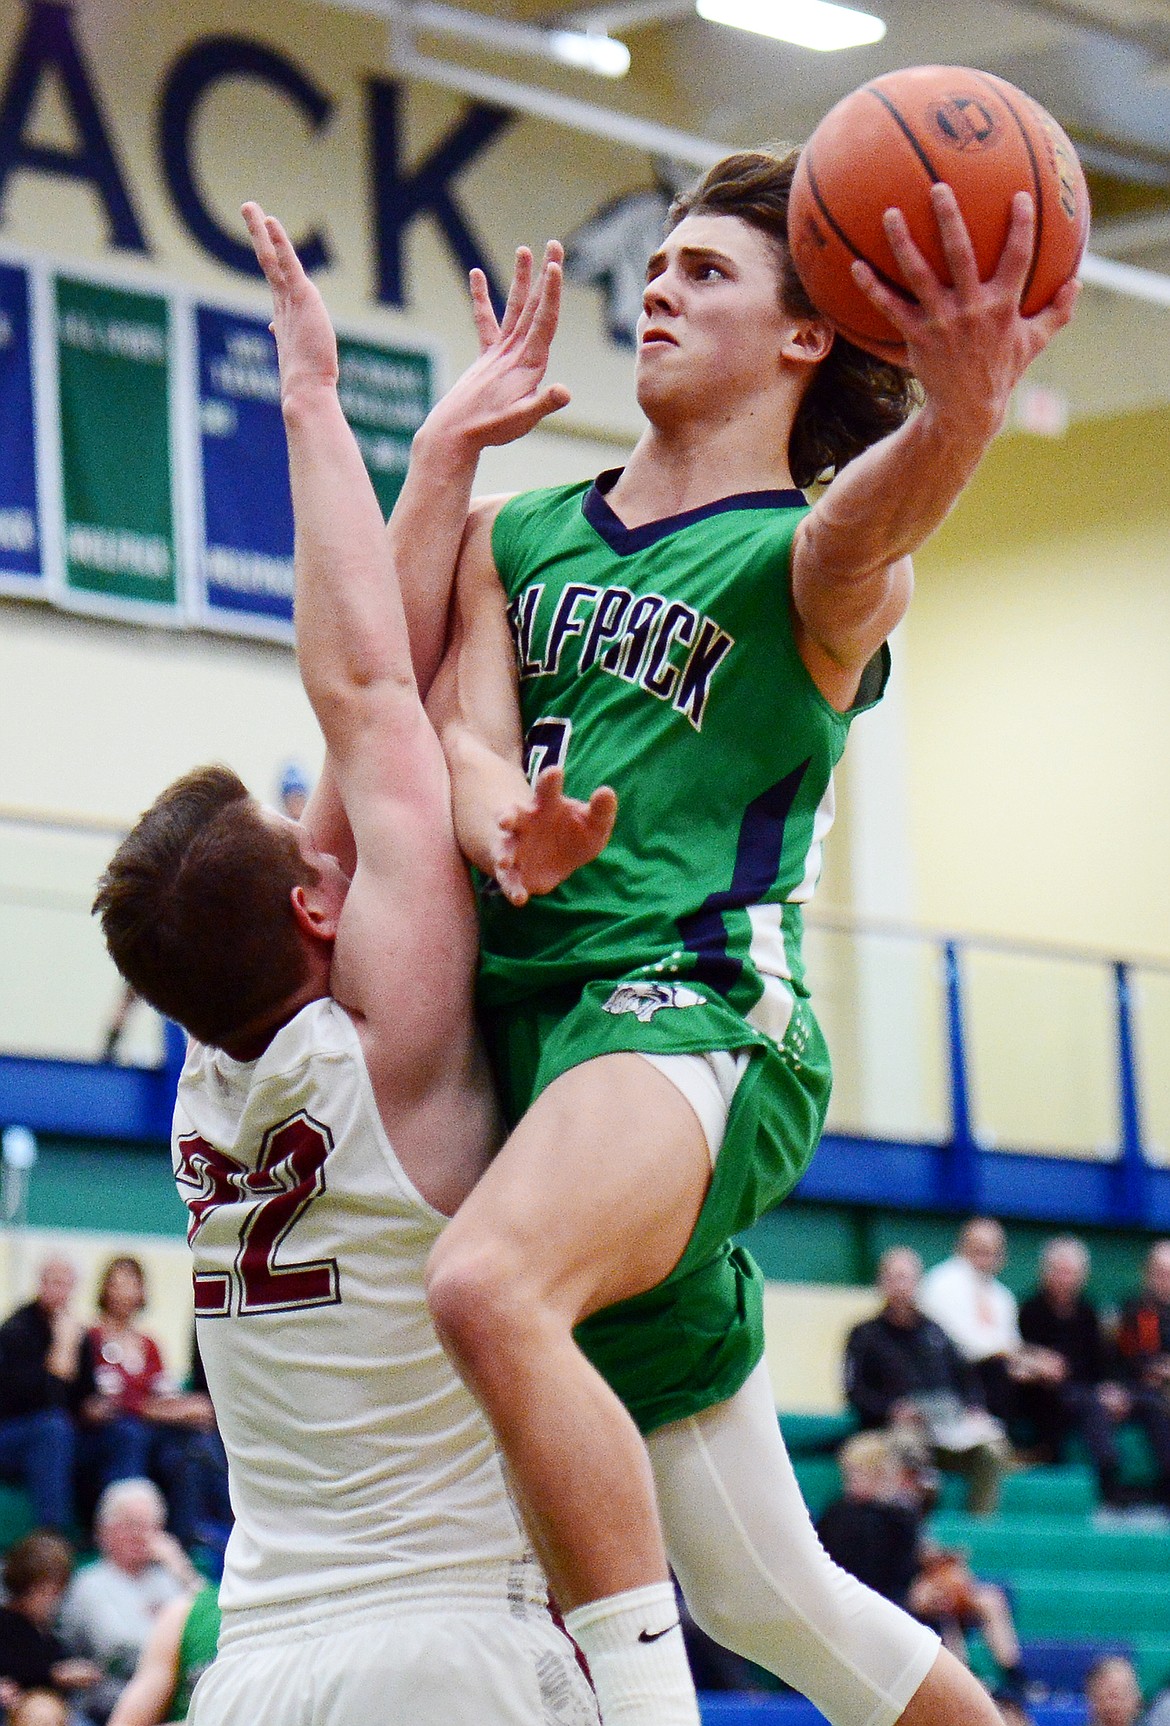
{"x": 1037, "y": 694}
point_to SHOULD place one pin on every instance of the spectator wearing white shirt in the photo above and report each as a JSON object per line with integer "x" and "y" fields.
{"x": 110, "y": 1606}
{"x": 978, "y": 1313}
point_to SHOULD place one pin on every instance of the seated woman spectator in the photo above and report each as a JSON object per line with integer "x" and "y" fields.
{"x": 139, "y": 1423}
{"x": 36, "y": 1574}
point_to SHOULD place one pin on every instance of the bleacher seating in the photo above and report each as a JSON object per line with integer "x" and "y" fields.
{"x": 1081, "y": 1582}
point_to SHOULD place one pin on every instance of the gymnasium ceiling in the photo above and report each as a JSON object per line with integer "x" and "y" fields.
{"x": 1101, "y": 66}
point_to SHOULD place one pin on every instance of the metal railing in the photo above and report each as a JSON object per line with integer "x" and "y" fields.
{"x": 966, "y": 1051}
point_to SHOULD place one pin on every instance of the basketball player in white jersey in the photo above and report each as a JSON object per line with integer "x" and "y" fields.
{"x": 333, "y": 1110}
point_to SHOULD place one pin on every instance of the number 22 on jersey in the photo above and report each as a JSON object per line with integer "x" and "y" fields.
{"x": 270, "y": 1200}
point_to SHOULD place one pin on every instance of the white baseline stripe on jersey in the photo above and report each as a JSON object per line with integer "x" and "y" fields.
{"x": 822, "y": 820}
{"x": 773, "y": 1010}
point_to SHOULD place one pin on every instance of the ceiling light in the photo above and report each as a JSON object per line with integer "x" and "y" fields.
{"x": 808, "y": 23}
{"x": 590, "y": 51}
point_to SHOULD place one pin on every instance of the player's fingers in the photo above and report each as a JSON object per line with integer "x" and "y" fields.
{"x": 956, "y": 240}
{"x": 256, "y": 223}
{"x": 549, "y": 787}
{"x": 920, "y": 279}
{"x": 901, "y": 311}
{"x": 508, "y": 878}
{"x": 281, "y": 265}
{"x": 602, "y": 813}
{"x": 549, "y": 401}
{"x": 512, "y": 887}
{"x": 922, "y": 282}
{"x": 518, "y": 292}
{"x": 1016, "y": 258}
{"x": 546, "y": 315}
{"x": 1055, "y": 314}
{"x": 483, "y": 313}
{"x": 548, "y": 283}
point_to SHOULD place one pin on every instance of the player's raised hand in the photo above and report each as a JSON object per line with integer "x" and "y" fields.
{"x": 543, "y": 841}
{"x": 306, "y": 345}
{"x": 502, "y": 394}
{"x": 968, "y": 342}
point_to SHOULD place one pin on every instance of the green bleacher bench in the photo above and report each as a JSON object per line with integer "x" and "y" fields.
{"x": 16, "y": 1516}
{"x": 1068, "y": 1488}
{"x": 1000, "y": 1546}
{"x": 816, "y": 1434}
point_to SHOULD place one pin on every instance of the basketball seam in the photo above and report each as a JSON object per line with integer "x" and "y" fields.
{"x": 1038, "y": 198}
{"x": 906, "y": 131}
{"x": 831, "y": 221}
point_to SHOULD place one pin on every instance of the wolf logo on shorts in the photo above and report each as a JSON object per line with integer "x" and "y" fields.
{"x": 646, "y": 999}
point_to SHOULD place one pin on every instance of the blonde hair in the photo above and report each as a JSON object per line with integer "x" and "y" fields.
{"x": 865, "y": 1452}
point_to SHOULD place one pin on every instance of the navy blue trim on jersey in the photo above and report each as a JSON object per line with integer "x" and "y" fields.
{"x": 623, "y": 540}
{"x": 757, "y": 864}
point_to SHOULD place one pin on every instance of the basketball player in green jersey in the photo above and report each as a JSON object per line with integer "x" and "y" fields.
{"x": 690, "y": 632}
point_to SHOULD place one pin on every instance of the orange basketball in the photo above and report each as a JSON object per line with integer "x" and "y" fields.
{"x": 886, "y": 144}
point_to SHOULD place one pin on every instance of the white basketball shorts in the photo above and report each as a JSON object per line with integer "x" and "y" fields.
{"x": 423, "y": 1663}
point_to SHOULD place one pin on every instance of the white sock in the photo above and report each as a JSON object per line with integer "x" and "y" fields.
{"x": 633, "y": 1643}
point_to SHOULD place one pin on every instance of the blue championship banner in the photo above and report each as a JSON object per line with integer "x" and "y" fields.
{"x": 21, "y": 560}
{"x": 246, "y": 580}
{"x": 245, "y": 566}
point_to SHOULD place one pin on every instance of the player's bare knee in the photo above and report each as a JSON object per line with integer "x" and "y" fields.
{"x": 475, "y": 1302}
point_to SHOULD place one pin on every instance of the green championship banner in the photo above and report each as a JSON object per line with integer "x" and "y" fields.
{"x": 385, "y": 396}
{"x": 113, "y": 354}
{"x": 245, "y": 560}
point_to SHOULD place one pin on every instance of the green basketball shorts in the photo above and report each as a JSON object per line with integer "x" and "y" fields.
{"x": 692, "y": 1341}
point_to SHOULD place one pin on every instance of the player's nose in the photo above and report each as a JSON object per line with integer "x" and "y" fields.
{"x": 659, "y": 294}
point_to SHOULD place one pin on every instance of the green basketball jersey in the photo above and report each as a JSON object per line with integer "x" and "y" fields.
{"x": 196, "y": 1649}
{"x": 662, "y": 660}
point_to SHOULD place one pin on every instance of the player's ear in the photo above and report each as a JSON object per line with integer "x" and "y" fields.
{"x": 808, "y": 341}
{"x": 315, "y": 914}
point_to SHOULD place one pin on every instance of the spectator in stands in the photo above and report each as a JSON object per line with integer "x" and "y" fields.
{"x": 36, "y": 1574}
{"x": 1112, "y": 1692}
{"x": 139, "y": 1423}
{"x": 110, "y": 1606}
{"x": 1143, "y": 1334}
{"x": 202, "y": 1514}
{"x": 872, "y": 1530}
{"x": 182, "y": 1646}
{"x": 903, "y": 1371}
{"x": 978, "y": 1313}
{"x": 1068, "y": 1387}
{"x": 875, "y": 1530}
{"x": 40, "y": 1708}
{"x": 294, "y": 790}
{"x": 44, "y": 1378}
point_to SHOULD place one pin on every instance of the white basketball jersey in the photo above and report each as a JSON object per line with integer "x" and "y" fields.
{"x": 356, "y": 1456}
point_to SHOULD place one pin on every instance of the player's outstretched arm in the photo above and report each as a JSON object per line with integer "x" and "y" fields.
{"x": 528, "y": 841}
{"x": 968, "y": 345}
{"x": 502, "y": 395}
{"x": 352, "y": 644}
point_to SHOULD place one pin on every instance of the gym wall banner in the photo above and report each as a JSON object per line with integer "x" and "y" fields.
{"x": 143, "y": 465}
{"x": 22, "y": 568}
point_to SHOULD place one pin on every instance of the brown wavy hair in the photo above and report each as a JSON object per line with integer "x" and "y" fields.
{"x": 196, "y": 911}
{"x": 853, "y": 399}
